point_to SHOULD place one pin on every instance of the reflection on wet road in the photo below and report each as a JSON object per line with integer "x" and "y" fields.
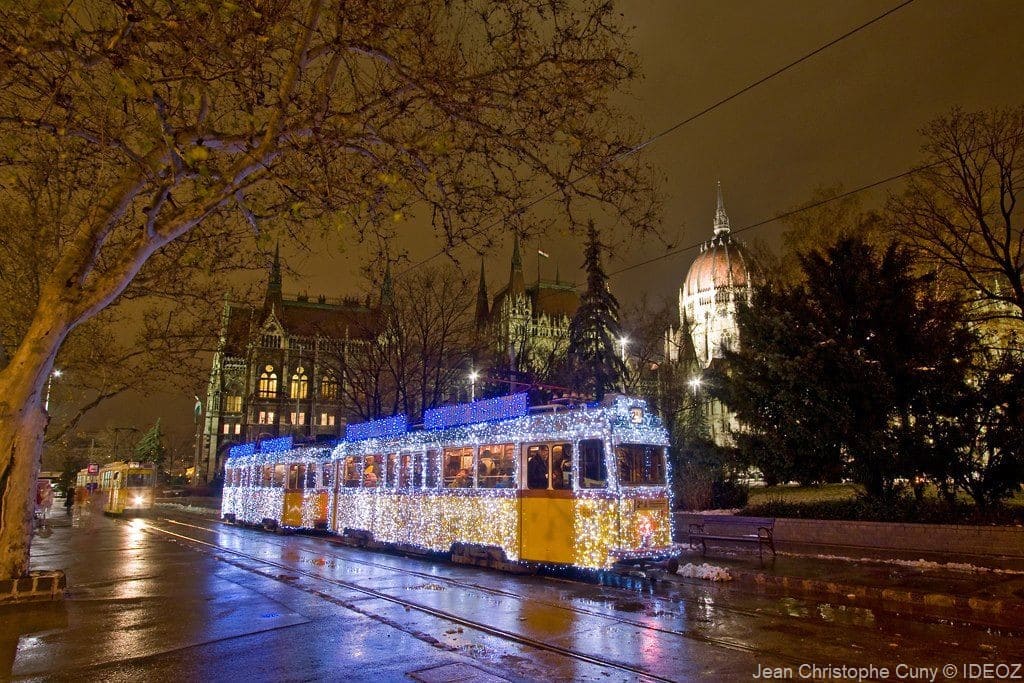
{"x": 192, "y": 583}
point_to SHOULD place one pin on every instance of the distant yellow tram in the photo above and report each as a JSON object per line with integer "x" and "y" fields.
{"x": 127, "y": 487}
{"x": 492, "y": 482}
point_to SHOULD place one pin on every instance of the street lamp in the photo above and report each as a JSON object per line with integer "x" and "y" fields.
{"x": 473, "y": 375}
{"x": 623, "y": 342}
{"x": 49, "y": 384}
{"x": 695, "y": 384}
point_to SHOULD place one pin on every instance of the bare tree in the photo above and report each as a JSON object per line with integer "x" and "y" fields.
{"x": 960, "y": 212}
{"x": 198, "y": 118}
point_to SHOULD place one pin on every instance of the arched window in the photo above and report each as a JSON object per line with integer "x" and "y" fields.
{"x": 329, "y": 386}
{"x": 268, "y": 382}
{"x": 300, "y": 384}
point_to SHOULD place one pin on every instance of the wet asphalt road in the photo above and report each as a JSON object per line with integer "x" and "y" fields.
{"x": 181, "y": 598}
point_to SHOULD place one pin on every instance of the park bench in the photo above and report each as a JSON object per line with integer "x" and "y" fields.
{"x": 730, "y": 529}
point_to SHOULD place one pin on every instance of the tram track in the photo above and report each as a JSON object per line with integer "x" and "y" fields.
{"x": 723, "y": 643}
{"x": 503, "y": 634}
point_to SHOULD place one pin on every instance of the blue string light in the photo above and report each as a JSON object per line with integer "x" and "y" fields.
{"x": 241, "y": 450}
{"x": 282, "y": 443}
{"x": 500, "y": 408}
{"x": 384, "y": 428}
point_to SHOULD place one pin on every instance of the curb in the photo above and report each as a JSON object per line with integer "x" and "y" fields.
{"x": 38, "y": 586}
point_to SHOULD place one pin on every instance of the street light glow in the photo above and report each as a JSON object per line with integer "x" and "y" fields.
{"x": 58, "y": 372}
{"x": 695, "y": 383}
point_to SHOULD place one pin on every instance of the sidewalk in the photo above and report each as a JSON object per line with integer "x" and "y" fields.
{"x": 944, "y": 589}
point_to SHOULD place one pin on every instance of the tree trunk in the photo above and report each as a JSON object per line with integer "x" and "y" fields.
{"x": 22, "y": 427}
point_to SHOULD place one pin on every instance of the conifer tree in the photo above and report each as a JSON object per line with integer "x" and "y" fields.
{"x": 593, "y": 362}
{"x": 150, "y": 447}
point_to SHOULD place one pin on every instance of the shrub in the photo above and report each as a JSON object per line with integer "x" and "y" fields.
{"x": 900, "y": 508}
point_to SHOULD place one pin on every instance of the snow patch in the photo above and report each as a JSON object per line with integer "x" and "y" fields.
{"x": 195, "y": 510}
{"x": 922, "y": 564}
{"x": 708, "y": 572}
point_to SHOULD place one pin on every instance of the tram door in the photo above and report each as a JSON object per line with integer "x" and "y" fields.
{"x": 546, "y": 505}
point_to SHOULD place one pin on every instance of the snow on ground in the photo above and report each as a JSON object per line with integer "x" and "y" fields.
{"x": 193, "y": 509}
{"x": 922, "y": 564}
{"x": 708, "y": 572}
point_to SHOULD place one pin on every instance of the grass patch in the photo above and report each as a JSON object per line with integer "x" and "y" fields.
{"x": 760, "y": 495}
{"x": 901, "y": 509}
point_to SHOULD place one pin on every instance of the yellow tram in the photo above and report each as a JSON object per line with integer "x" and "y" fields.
{"x": 127, "y": 487}
{"x": 492, "y": 482}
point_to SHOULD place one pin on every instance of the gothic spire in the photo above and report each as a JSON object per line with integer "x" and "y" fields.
{"x": 387, "y": 289}
{"x": 274, "y": 296}
{"x": 721, "y": 219}
{"x": 516, "y": 280}
{"x": 482, "y": 309}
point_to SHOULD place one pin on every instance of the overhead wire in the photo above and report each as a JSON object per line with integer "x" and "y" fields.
{"x": 679, "y": 124}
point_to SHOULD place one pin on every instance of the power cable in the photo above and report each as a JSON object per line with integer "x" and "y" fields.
{"x": 679, "y": 124}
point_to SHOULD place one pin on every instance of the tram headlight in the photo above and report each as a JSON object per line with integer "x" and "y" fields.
{"x": 138, "y": 501}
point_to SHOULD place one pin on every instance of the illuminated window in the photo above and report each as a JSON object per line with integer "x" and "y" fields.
{"x": 431, "y": 468}
{"x": 495, "y": 466}
{"x": 327, "y": 474}
{"x": 350, "y": 470}
{"x": 227, "y": 428}
{"x": 300, "y": 384}
{"x": 593, "y": 471}
{"x": 233, "y": 404}
{"x": 373, "y": 473}
{"x": 268, "y": 382}
{"x": 238, "y": 428}
{"x": 538, "y": 464}
{"x": 458, "y": 468}
{"x": 391, "y": 480}
{"x": 326, "y": 420}
{"x": 417, "y": 470}
{"x": 329, "y": 386}
{"x": 561, "y": 466}
{"x": 272, "y": 341}
{"x": 294, "y": 476}
{"x": 266, "y": 417}
{"x": 640, "y": 465}
{"x": 310, "y": 476}
{"x": 279, "y": 472}
{"x": 298, "y": 418}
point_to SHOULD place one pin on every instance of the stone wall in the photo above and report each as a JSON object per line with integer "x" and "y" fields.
{"x": 36, "y": 587}
{"x": 952, "y": 539}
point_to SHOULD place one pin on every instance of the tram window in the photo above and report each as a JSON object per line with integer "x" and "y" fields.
{"x": 229, "y": 477}
{"x": 392, "y": 477}
{"x": 294, "y": 477}
{"x": 268, "y": 475}
{"x": 279, "y": 472}
{"x": 561, "y": 466}
{"x": 404, "y": 463}
{"x": 432, "y": 466}
{"x": 458, "y": 468}
{"x": 310, "y": 476}
{"x": 496, "y": 466}
{"x": 593, "y": 472}
{"x": 417, "y": 470}
{"x": 373, "y": 473}
{"x": 538, "y": 464}
{"x": 138, "y": 479}
{"x": 351, "y": 472}
{"x": 640, "y": 465}
{"x": 327, "y": 469}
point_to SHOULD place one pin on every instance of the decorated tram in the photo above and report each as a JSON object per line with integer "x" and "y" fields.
{"x": 124, "y": 487}
{"x": 492, "y": 480}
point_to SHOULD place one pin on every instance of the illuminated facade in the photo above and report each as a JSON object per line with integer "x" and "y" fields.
{"x": 528, "y": 324}
{"x": 280, "y": 370}
{"x": 720, "y": 278}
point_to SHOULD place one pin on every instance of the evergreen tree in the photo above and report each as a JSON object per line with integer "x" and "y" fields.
{"x": 857, "y": 368}
{"x": 150, "y": 448}
{"x": 594, "y": 364}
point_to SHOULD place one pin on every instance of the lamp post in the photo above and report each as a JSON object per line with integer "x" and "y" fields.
{"x": 49, "y": 384}
{"x": 473, "y": 375}
{"x": 695, "y": 384}
{"x": 623, "y": 342}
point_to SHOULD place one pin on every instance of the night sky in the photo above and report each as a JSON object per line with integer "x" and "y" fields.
{"x": 848, "y": 116}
